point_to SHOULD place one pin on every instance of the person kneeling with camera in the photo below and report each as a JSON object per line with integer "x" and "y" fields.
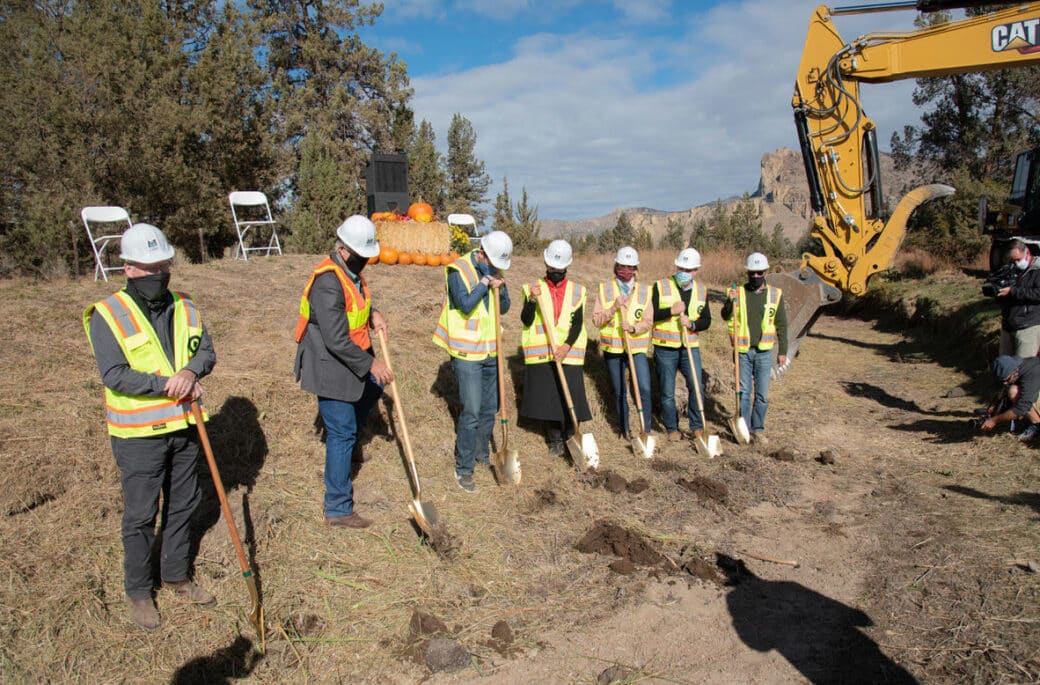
{"x": 1019, "y": 297}
{"x": 1021, "y": 379}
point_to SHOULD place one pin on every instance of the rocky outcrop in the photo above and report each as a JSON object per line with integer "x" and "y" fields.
{"x": 781, "y": 197}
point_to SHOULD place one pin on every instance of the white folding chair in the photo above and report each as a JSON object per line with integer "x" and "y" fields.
{"x": 468, "y": 224}
{"x": 256, "y": 214}
{"x": 114, "y": 221}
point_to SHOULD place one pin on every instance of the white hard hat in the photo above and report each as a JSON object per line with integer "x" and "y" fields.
{"x": 756, "y": 261}
{"x": 359, "y": 234}
{"x": 627, "y": 256}
{"x": 559, "y": 254}
{"x": 499, "y": 248}
{"x": 688, "y": 259}
{"x": 144, "y": 244}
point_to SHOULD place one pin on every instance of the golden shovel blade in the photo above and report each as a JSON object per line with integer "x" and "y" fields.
{"x": 740, "y": 430}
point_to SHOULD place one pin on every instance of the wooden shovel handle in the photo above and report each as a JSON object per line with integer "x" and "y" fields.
{"x": 632, "y": 373}
{"x": 736, "y": 355}
{"x": 498, "y": 354}
{"x": 550, "y": 334}
{"x": 218, "y": 484}
{"x": 413, "y": 473}
{"x": 693, "y": 372}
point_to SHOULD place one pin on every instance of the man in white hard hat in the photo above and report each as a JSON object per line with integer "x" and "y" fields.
{"x": 466, "y": 330}
{"x": 757, "y": 326}
{"x": 680, "y": 302}
{"x": 543, "y": 394}
{"x": 335, "y": 359}
{"x": 623, "y": 303}
{"x": 151, "y": 349}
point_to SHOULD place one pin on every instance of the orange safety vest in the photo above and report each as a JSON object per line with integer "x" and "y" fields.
{"x": 358, "y": 304}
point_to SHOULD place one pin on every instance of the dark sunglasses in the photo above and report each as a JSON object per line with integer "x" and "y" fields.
{"x": 757, "y": 273}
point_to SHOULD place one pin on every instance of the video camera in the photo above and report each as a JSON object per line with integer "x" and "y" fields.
{"x": 997, "y": 280}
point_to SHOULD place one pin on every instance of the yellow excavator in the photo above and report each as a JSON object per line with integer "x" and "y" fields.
{"x": 839, "y": 141}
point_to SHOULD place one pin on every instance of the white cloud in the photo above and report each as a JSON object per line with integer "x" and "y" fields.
{"x": 571, "y": 115}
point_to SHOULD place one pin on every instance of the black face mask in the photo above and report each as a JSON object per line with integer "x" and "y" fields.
{"x": 755, "y": 282}
{"x": 152, "y": 288}
{"x": 555, "y": 277}
{"x": 356, "y": 263}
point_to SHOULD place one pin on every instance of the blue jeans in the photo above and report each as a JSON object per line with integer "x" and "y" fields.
{"x": 617, "y": 364}
{"x": 478, "y": 393}
{"x": 669, "y": 360}
{"x": 755, "y": 365}
{"x": 343, "y": 421}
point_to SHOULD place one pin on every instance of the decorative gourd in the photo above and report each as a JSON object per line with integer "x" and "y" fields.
{"x": 420, "y": 211}
{"x": 388, "y": 255}
{"x": 433, "y": 260}
{"x": 404, "y": 258}
{"x": 419, "y": 259}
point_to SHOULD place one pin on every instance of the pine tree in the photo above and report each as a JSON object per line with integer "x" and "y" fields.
{"x": 525, "y": 232}
{"x": 426, "y": 177}
{"x": 503, "y": 217}
{"x": 320, "y": 205}
{"x": 675, "y": 234}
{"x": 468, "y": 181}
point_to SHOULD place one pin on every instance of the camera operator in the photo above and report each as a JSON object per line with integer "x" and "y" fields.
{"x": 1020, "y": 305}
{"x": 1021, "y": 379}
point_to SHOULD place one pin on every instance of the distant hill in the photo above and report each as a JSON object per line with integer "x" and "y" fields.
{"x": 782, "y": 197}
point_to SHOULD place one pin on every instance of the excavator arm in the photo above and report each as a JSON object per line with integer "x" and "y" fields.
{"x": 839, "y": 141}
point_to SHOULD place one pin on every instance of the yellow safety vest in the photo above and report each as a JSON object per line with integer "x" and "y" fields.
{"x": 666, "y": 332}
{"x": 740, "y": 319}
{"x": 610, "y": 336}
{"x": 466, "y": 336}
{"x": 358, "y": 304}
{"x": 534, "y": 339}
{"x": 135, "y": 416}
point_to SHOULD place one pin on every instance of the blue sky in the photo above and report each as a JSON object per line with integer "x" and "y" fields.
{"x": 599, "y": 105}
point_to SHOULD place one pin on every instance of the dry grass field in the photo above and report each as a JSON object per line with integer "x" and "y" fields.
{"x": 339, "y": 604}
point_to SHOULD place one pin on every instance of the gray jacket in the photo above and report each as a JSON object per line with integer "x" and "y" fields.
{"x": 328, "y": 363}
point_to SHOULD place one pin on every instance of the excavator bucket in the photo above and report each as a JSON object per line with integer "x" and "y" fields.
{"x": 805, "y": 295}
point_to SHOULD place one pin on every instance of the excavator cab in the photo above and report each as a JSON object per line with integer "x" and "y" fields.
{"x": 1019, "y": 217}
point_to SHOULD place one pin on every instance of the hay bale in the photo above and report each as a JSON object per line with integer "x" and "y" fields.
{"x": 433, "y": 237}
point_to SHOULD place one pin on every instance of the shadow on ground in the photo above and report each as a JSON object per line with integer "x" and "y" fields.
{"x": 818, "y": 636}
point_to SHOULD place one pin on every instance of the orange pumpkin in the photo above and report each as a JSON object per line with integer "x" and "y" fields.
{"x": 420, "y": 211}
{"x": 419, "y": 259}
{"x": 433, "y": 260}
{"x": 452, "y": 256}
{"x": 404, "y": 258}
{"x": 388, "y": 255}
{"x": 373, "y": 260}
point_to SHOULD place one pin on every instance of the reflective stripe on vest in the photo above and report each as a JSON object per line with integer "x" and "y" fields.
{"x": 666, "y": 332}
{"x": 610, "y": 336}
{"x": 534, "y": 339}
{"x": 739, "y": 299}
{"x": 133, "y": 416}
{"x": 465, "y": 336}
{"x": 357, "y": 317}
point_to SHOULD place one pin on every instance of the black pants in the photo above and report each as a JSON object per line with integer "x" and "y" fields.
{"x": 148, "y": 466}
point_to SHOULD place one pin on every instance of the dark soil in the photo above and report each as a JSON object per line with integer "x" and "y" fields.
{"x": 611, "y": 539}
{"x": 638, "y": 485}
{"x": 444, "y": 542}
{"x": 706, "y": 488}
{"x": 664, "y": 465}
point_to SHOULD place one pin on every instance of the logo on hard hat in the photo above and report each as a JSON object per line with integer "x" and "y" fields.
{"x": 153, "y": 244}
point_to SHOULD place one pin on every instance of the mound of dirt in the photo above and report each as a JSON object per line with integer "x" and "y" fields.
{"x": 611, "y": 539}
{"x": 613, "y": 482}
{"x": 664, "y": 466}
{"x": 704, "y": 487}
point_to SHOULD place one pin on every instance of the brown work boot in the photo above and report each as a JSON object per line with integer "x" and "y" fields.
{"x": 354, "y": 520}
{"x": 675, "y": 436}
{"x": 143, "y": 613}
{"x": 192, "y": 592}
